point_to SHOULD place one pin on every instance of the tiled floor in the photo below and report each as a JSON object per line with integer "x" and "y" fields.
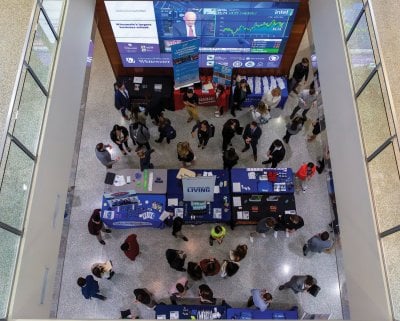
{"x": 269, "y": 262}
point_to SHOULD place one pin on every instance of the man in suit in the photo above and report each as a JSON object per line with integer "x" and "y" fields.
{"x": 299, "y": 283}
{"x": 275, "y": 154}
{"x": 188, "y": 27}
{"x": 122, "y": 100}
{"x": 300, "y": 71}
{"x": 251, "y": 135}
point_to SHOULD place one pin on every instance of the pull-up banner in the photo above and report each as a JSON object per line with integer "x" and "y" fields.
{"x": 185, "y": 60}
{"x": 200, "y": 188}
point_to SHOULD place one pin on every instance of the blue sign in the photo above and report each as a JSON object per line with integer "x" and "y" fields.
{"x": 185, "y": 60}
{"x": 222, "y": 75}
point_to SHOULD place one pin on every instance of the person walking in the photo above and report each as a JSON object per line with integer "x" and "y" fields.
{"x": 276, "y": 153}
{"x": 230, "y": 158}
{"x": 228, "y": 132}
{"x": 90, "y": 288}
{"x": 203, "y": 133}
{"x": 145, "y": 158}
{"x": 307, "y": 100}
{"x": 131, "y": 247}
{"x": 176, "y": 259}
{"x": 263, "y": 226}
{"x": 185, "y": 153}
{"x": 299, "y": 283}
{"x": 178, "y": 290}
{"x": 261, "y": 298}
{"x": 104, "y": 156}
{"x": 293, "y": 127}
{"x": 121, "y": 98}
{"x": 177, "y": 228}
{"x": 144, "y": 296}
{"x": 191, "y": 101}
{"x": 318, "y": 243}
{"x": 103, "y": 270}
{"x": 242, "y": 89}
{"x": 304, "y": 174}
{"x": 300, "y": 72}
{"x": 119, "y": 135}
{"x": 217, "y": 234}
{"x": 140, "y": 135}
{"x": 251, "y": 135}
{"x": 96, "y": 226}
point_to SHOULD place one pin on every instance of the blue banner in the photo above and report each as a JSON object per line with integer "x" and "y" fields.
{"x": 185, "y": 60}
{"x": 222, "y": 75}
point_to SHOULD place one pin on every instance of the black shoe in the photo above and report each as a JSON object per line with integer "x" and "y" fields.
{"x": 264, "y": 162}
{"x": 107, "y": 230}
{"x": 102, "y": 242}
{"x": 255, "y": 158}
{"x": 158, "y": 141}
{"x": 281, "y": 287}
{"x": 233, "y": 114}
{"x": 305, "y": 250}
{"x": 185, "y": 238}
{"x": 239, "y": 108}
{"x": 211, "y": 242}
{"x": 168, "y": 141}
{"x": 111, "y": 275}
{"x": 244, "y": 149}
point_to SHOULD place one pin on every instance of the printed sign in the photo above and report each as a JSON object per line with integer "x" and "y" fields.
{"x": 200, "y": 188}
{"x": 185, "y": 60}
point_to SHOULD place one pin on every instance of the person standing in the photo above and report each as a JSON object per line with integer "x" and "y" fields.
{"x": 229, "y": 268}
{"x": 131, "y": 247}
{"x": 263, "y": 226}
{"x": 145, "y": 297}
{"x": 220, "y": 95}
{"x": 299, "y": 283}
{"x": 96, "y": 226}
{"x": 307, "y": 100}
{"x": 206, "y": 294}
{"x": 316, "y": 130}
{"x": 230, "y": 158}
{"x": 272, "y": 98}
{"x": 260, "y": 114}
{"x": 90, "y": 288}
{"x": 119, "y": 135}
{"x": 210, "y": 266}
{"x": 203, "y": 133}
{"x": 121, "y": 98}
{"x": 239, "y": 253}
{"x": 103, "y": 270}
{"x": 239, "y": 95}
{"x": 261, "y": 298}
{"x": 178, "y": 290}
{"x": 191, "y": 101}
{"x": 145, "y": 158}
{"x": 176, "y": 259}
{"x": 301, "y": 71}
{"x": 228, "y": 132}
{"x": 165, "y": 130}
{"x": 293, "y": 128}
{"x": 289, "y": 223}
{"x": 140, "y": 134}
{"x": 251, "y": 135}
{"x": 217, "y": 234}
{"x": 104, "y": 156}
{"x": 177, "y": 228}
{"x": 194, "y": 271}
{"x": 318, "y": 243}
{"x": 304, "y": 174}
{"x": 276, "y": 153}
{"x": 185, "y": 153}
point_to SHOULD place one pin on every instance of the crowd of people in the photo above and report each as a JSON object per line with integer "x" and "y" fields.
{"x": 139, "y": 135}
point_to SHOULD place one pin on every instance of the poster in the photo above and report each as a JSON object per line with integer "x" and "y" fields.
{"x": 222, "y": 75}
{"x": 200, "y": 188}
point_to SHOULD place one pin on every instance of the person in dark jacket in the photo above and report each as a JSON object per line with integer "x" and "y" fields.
{"x": 194, "y": 271}
{"x": 145, "y": 158}
{"x": 155, "y": 108}
{"x": 229, "y": 268}
{"x": 251, "y": 135}
{"x": 206, "y": 294}
{"x": 177, "y": 228}
{"x": 293, "y": 128}
{"x": 119, "y": 135}
{"x": 275, "y": 154}
{"x": 230, "y": 158}
{"x": 176, "y": 259}
{"x": 131, "y": 247}
{"x": 239, "y": 95}
{"x": 121, "y": 98}
{"x": 289, "y": 223}
{"x": 145, "y": 297}
{"x": 140, "y": 135}
{"x": 301, "y": 71}
{"x": 96, "y": 226}
{"x": 228, "y": 132}
{"x": 203, "y": 133}
{"x": 165, "y": 129}
{"x": 299, "y": 283}
{"x": 90, "y": 288}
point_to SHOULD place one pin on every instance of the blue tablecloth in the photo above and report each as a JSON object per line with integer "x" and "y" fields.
{"x": 236, "y": 313}
{"x": 216, "y": 211}
{"x": 199, "y": 312}
{"x": 127, "y": 209}
{"x": 243, "y": 184}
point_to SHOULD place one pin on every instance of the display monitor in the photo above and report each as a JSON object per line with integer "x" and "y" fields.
{"x": 239, "y": 34}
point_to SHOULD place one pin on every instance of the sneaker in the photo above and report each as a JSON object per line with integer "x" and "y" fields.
{"x": 287, "y": 234}
{"x": 185, "y": 239}
{"x": 263, "y": 235}
{"x": 102, "y": 242}
{"x": 251, "y": 239}
{"x": 276, "y": 234}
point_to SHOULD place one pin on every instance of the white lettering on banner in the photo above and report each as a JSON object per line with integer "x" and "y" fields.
{"x": 147, "y": 215}
{"x": 198, "y": 189}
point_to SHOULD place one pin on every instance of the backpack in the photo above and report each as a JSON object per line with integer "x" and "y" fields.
{"x": 170, "y": 132}
{"x": 212, "y": 130}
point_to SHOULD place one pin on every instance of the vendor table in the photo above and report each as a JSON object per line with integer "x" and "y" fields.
{"x": 261, "y": 192}
{"x": 236, "y": 313}
{"x": 200, "y": 212}
{"x": 196, "y": 312}
{"x": 265, "y": 83}
{"x": 137, "y": 204}
{"x": 206, "y": 98}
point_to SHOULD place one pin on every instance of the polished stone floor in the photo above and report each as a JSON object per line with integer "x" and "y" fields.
{"x": 270, "y": 261}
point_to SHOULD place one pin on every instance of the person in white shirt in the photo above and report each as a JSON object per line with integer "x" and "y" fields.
{"x": 261, "y": 113}
{"x": 272, "y": 98}
{"x": 307, "y": 99}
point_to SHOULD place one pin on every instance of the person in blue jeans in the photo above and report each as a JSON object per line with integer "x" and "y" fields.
{"x": 260, "y": 298}
{"x": 90, "y": 288}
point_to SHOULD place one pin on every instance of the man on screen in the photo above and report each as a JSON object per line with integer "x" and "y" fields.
{"x": 188, "y": 27}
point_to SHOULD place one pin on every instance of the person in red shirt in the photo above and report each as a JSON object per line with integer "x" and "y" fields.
{"x": 131, "y": 247}
{"x": 221, "y": 100}
{"x": 304, "y": 174}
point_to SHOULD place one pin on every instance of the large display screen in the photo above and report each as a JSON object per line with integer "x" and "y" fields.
{"x": 239, "y": 34}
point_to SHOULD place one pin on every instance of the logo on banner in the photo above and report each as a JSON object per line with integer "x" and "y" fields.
{"x": 147, "y": 216}
{"x": 198, "y": 189}
{"x": 130, "y": 60}
{"x": 273, "y": 58}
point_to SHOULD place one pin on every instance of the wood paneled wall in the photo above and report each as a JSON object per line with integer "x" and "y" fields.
{"x": 104, "y": 26}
